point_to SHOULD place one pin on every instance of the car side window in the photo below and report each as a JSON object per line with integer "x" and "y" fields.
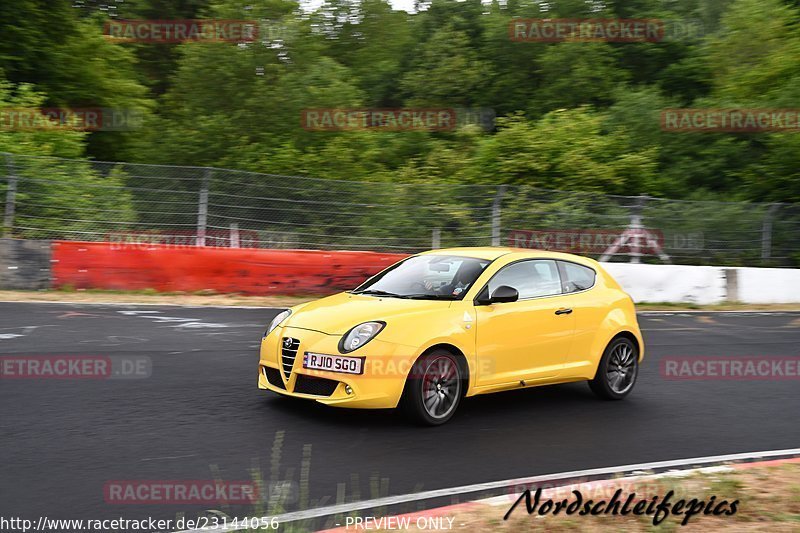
{"x": 576, "y": 277}
{"x": 532, "y": 279}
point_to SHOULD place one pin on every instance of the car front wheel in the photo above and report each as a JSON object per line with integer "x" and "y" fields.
{"x": 618, "y": 370}
{"x": 433, "y": 389}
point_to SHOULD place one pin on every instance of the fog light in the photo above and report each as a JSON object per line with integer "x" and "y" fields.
{"x": 348, "y": 389}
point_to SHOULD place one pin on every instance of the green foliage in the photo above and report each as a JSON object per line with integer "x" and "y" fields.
{"x": 45, "y": 43}
{"x": 756, "y": 54}
{"x": 566, "y": 150}
{"x": 575, "y": 74}
{"x": 55, "y": 196}
{"x": 54, "y": 141}
{"x": 445, "y": 72}
{"x": 64, "y": 199}
{"x": 575, "y": 116}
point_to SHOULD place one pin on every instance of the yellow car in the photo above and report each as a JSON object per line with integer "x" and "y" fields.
{"x": 445, "y": 324}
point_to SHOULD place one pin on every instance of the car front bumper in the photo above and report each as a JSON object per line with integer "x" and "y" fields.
{"x": 386, "y": 366}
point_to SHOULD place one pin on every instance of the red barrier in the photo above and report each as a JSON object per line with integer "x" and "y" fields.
{"x": 98, "y": 265}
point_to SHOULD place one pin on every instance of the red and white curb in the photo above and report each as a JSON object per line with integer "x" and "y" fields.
{"x": 600, "y": 479}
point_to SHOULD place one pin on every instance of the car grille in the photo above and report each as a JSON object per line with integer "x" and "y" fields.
{"x": 274, "y": 377}
{"x": 289, "y": 348}
{"x": 315, "y": 386}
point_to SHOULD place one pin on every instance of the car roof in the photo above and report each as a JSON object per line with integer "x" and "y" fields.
{"x": 484, "y": 252}
{"x": 493, "y": 252}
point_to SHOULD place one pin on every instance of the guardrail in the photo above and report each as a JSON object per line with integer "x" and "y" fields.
{"x": 90, "y": 265}
{"x": 85, "y": 265}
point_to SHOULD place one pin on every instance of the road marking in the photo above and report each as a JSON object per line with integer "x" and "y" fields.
{"x": 115, "y": 340}
{"x": 73, "y": 314}
{"x": 494, "y": 485}
{"x": 176, "y": 321}
{"x": 168, "y": 457}
{"x": 24, "y": 331}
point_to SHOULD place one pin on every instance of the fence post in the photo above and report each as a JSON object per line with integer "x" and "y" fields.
{"x": 496, "y": 211}
{"x": 766, "y": 232}
{"x": 202, "y": 208}
{"x": 11, "y": 198}
{"x": 235, "y": 242}
{"x": 436, "y": 238}
{"x": 637, "y": 228}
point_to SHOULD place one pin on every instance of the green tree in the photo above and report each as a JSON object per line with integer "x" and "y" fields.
{"x": 446, "y": 72}
{"x": 66, "y": 58}
{"x": 566, "y": 150}
{"x": 56, "y": 198}
{"x": 756, "y": 55}
{"x": 374, "y": 42}
{"x": 574, "y": 74}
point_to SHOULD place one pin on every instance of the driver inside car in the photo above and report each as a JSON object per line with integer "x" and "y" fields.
{"x": 466, "y": 275}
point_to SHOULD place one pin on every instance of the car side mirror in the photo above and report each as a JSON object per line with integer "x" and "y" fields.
{"x": 503, "y": 294}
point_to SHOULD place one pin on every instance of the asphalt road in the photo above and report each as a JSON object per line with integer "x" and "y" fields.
{"x": 199, "y": 414}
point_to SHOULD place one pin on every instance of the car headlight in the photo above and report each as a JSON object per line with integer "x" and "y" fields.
{"x": 360, "y": 335}
{"x": 277, "y": 320}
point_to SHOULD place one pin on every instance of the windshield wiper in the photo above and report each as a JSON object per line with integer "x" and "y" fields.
{"x": 421, "y": 296}
{"x": 373, "y": 292}
{"x": 428, "y": 297}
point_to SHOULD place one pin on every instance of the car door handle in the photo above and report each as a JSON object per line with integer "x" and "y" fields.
{"x": 563, "y": 311}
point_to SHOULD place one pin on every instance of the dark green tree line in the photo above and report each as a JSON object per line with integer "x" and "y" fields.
{"x": 571, "y": 115}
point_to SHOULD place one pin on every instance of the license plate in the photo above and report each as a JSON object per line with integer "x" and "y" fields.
{"x": 333, "y": 363}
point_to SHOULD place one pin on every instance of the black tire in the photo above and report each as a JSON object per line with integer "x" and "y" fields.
{"x": 434, "y": 388}
{"x": 618, "y": 369}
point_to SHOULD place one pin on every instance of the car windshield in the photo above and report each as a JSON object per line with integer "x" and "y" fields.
{"x": 426, "y": 277}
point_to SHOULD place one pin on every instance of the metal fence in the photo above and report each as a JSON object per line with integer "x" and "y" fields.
{"x": 131, "y": 204}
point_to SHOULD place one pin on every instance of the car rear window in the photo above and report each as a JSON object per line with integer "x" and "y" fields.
{"x": 577, "y": 277}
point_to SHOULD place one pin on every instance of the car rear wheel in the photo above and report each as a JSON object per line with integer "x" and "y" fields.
{"x": 618, "y": 370}
{"x": 433, "y": 389}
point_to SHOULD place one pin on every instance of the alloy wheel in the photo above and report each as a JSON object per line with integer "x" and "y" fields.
{"x": 441, "y": 387}
{"x": 621, "y": 369}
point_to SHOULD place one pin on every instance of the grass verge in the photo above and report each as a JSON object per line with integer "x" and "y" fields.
{"x": 202, "y": 298}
